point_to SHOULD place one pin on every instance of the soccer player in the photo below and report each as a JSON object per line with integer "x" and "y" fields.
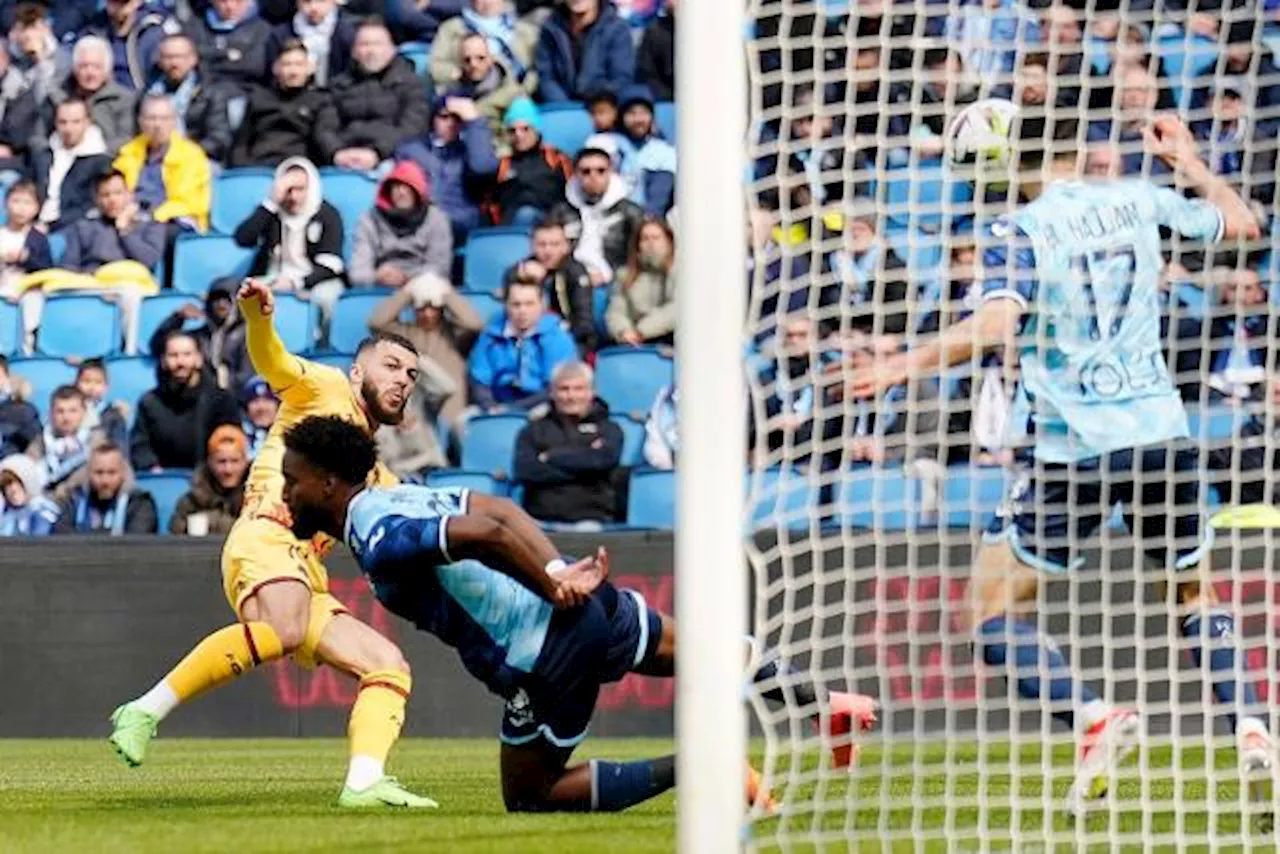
{"x": 276, "y": 582}
{"x": 1073, "y": 278}
{"x": 478, "y": 573}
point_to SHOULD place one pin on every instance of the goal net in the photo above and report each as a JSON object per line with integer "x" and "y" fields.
{"x": 866, "y": 513}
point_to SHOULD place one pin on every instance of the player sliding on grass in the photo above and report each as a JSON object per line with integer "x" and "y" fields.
{"x": 478, "y": 573}
{"x": 1074, "y": 277}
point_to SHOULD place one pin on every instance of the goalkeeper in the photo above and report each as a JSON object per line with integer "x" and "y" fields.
{"x": 1074, "y": 278}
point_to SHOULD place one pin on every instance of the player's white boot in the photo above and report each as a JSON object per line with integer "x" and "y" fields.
{"x": 1105, "y": 745}
{"x": 1255, "y": 748}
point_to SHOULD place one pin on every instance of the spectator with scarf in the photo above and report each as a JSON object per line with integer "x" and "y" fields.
{"x": 201, "y": 105}
{"x": 328, "y": 33}
{"x": 489, "y": 84}
{"x": 231, "y": 39}
{"x": 64, "y": 444}
{"x": 260, "y": 409}
{"x": 403, "y": 235}
{"x": 108, "y": 503}
{"x": 512, "y": 42}
{"x": 109, "y": 418}
{"x": 24, "y": 509}
{"x": 217, "y": 487}
{"x": 37, "y": 54}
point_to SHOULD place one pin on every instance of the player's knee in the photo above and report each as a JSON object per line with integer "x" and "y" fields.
{"x": 386, "y": 655}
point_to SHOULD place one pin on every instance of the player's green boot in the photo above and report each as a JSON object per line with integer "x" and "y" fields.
{"x": 386, "y": 792}
{"x": 133, "y": 731}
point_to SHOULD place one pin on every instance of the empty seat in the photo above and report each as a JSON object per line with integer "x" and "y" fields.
{"x": 236, "y": 194}
{"x": 293, "y": 323}
{"x": 128, "y": 379}
{"x": 490, "y": 251}
{"x": 486, "y": 304}
{"x": 881, "y": 499}
{"x": 44, "y": 375}
{"x": 10, "y": 328}
{"x": 156, "y": 309}
{"x": 780, "y": 498}
{"x": 350, "y": 324}
{"x": 200, "y": 259}
{"x": 632, "y": 440}
{"x": 628, "y": 378}
{"x": 166, "y": 487}
{"x": 352, "y": 193}
{"x": 651, "y": 499}
{"x": 81, "y": 326}
{"x": 418, "y": 53}
{"x": 490, "y": 442}
{"x": 566, "y": 125}
{"x": 970, "y": 495}
{"x": 664, "y": 113}
{"x": 476, "y": 481}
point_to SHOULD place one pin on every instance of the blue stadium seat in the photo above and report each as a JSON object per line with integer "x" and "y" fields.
{"x": 293, "y": 323}
{"x": 236, "y": 194}
{"x": 882, "y": 499}
{"x": 128, "y": 379}
{"x": 664, "y": 113}
{"x": 200, "y": 259}
{"x": 632, "y": 440}
{"x": 489, "y": 443}
{"x": 10, "y": 328}
{"x": 566, "y": 125}
{"x": 490, "y": 251}
{"x": 350, "y": 323}
{"x": 651, "y": 499}
{"x": 628, "y": 378}
{"x": 352, "y": 193}
{"x": 485, "y": 303}
{"x": 970, "y": 495}
{"x": 1214, "y": 422}
{"x": 341, "y": 361}
{"x": 57, "y": 246}
{"x": 419, "y": 53}
{"x": 476, "y": 481}
{"x": 166, "y": 487}
{"x": 782, "y": 499}
{"x": 600, "y": 305}
{"x": 44, "y": 375}
{"x": 78, "y": 326}
{"x": 156, "y": 309}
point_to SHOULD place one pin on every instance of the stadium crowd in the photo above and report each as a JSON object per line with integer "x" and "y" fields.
{"x": 496, "y": 182}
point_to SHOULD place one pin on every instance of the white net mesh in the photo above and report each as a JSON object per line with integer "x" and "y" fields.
{"x": 869, "y": 512}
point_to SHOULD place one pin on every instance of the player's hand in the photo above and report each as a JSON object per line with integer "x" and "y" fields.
{"x": 1168, "y": 138}
{"x": 576, "y": 582}
{"x": 257, "y": 289}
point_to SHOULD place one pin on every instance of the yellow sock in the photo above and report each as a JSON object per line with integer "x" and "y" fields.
{"x": 376, "y": 719}
{"x": 222, "y": 656}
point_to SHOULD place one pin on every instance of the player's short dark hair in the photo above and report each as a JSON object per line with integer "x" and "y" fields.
{"x": 334, "y": 446}
{"x": 66, "y": 392}
{"x": 376, "y": 338}
{"x": 106, "y": 177}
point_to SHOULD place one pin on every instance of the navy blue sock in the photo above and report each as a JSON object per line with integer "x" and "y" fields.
{"x": 1218, "y": 635}
{"x": 618, "y": 785}
{"x": 1031, "y": 652}
{"x": 790, "y": 681}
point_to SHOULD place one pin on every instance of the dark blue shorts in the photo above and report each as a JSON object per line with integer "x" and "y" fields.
{"x": 1059, "y": 505}
{"x": 600, "y": 642}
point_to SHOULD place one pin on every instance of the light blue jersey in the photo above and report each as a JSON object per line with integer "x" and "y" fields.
{"x": 1084, "y": 261}
{"x": 400, "y": 538}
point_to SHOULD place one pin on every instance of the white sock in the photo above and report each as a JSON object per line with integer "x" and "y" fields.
{"x": 364, "y": 772}
{"x": 1251, "y": 723}
{"x": 1094, "y": 711}
{"x": 159, "y": 701}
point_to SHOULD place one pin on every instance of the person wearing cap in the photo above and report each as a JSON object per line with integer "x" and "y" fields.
{"x": 531, "y": 180}
{"x": 583, "y": 46}
{"x": 645, "y": 160}
{"x": 403, "y": 235}
{"x": 597, "y": 215}
{"x": 489, "y": 84}
{"x": 457, "y": 156}
{"x": 260, "y": 406}
{"x": 511, "y": 40}
{"x": 24, "y": 509}
{"x": 216, "y": 496}
{"x": 108, "y": 502}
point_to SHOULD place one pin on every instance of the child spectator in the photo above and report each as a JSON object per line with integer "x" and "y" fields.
{"x": 217, "y": 488}
{"x": 602, "y": 105}
{"x": 107, "y": 417}
{"x": 108, "y": 502}
{"x": 260, "y": 408}
{"x": 403, "y": 235}
{"x": 24, "y": 511}
{"x": 63, "y": 447}
{"x": 642, "y": 301}
{"x": 23, "y": 249}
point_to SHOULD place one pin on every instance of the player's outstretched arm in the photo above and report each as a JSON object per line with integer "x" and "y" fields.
{"x": 1170, "y": 140}
{"x": 267, "y": 352}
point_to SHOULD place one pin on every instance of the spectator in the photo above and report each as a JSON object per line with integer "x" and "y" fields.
{"x": 490, "y": 85}
{"x": 511, "y": 39}
{"x": 1136, "y": 105}
{"x": 328, "y": 34}
{"x": 661, "y": 429}
{"x": 298, "y": 236}
{"x": 111, "y": 106}
{"x": 420, "y": 20}
{"x": 597, "y": 215}
{"x": 565, "y": 284}
{"x": 531, "y": 180}
{"x": 814, "y": 151}
{"x": 642, "y": 302}
{"x": 375, "y": 105}
{"x": 168, "y": 173}
{"x": 656, "y": 58}
{"x": 63, "y": 446}
{"x": 23, "y": 250}
{"x": 109, "y": 418}
{"x": 801, "y": 403}
{"x": 511, "y": 364}
{"x": 443, "y": 330}
{"x": 939, "y": 92}
{"x": 177, "y": 417}
{"x": 201, "y": 104}
{"x": 1239, "y": 61}
{"x": 278, "y": 118}
{"x": 403, "y": 235}
{"x": 25, "y": 511}
{"x": 217, "y": 488}
{"x": 65, "y": 172}
{"x": 583, "y": 47}
{"x": 1064, "y": 41}
{"x": 458, "y": 158}
{"x": 260, "y": 409}
{"x": 37, "y": 54}
{"x": 602, "y": 105}
{"x": 109, "y": 502}
{"x": 1237, "y": 147}
{"x": 870, "y": 277}
{"x": 231, "y": 40}
{"x": 133, "y": 30}
{"x": 221, "y": 338}
{"x": 567, "y": 460}
{"x": 989, "y": 35}
{"x": 20, "y": 125}
{"x": 645, "y": 160}
{"x": 19, "y": 420}
{"x": 1237, "y": 337}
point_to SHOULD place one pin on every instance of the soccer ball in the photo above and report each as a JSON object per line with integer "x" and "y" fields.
{"x": 978, "y": 135}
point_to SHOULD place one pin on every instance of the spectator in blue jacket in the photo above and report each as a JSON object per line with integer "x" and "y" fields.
{"x": 584, "y": 47}
{"x": 645, "y": 160}
{"x": 328, "y": 32}
{"x": 134, "y": 29}
{"x": 458, "y": 157}
{"x": 512, "y": 361}
{"x": 24, "y": 510}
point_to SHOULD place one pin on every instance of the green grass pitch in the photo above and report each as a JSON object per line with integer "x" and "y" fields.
{"x": 249, "y": 796}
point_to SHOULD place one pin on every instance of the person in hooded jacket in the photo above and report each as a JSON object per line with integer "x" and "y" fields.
{"x": 24, "y": 509}
{"x": 403, "y": 235}
{"x": 567, "y": 460}
{"x": 597, "y": 215}
{"x": 221, "y": 337}
{"x": 231, "y": 38}
{"x": 108, "y": 502}
{"x": 279, "y": 116}
{"x": 584, "y": 46}
{"x": 217, "y": 487}
{"x": 176, "y": 418}
{"x": 374, "y": 106}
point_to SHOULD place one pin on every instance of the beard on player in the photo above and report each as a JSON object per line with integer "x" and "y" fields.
{"x": 309, "y": 520}
{"x": 384, "y": 406}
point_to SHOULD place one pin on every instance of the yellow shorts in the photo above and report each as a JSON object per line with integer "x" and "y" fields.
{"x": 260, "y": 551}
